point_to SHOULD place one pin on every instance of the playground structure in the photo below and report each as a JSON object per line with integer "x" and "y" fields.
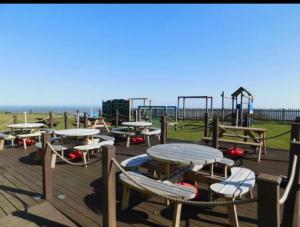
{"x": 117, "y": 111}
{"x": 133, "y": 111}
{"x": 240, "y": 116}
{"x": 208, "y": 105}
{"x": 154, "y": 113}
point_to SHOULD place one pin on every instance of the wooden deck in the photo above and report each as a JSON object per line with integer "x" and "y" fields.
{"x": 81, "y": 196}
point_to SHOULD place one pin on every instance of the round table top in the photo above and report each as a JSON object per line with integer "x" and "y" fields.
{"x": 26, "y": 125}
{"x": 185, "y": 153}
{"x": 77, "y": 132}
{"x": 137, "y": 123}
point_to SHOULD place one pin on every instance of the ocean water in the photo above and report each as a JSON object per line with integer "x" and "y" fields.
{"x": 46, "y": 109}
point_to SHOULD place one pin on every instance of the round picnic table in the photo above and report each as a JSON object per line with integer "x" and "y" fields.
{"x": 77, "y": 132}
{"x": 26, "y": 125}
{"x": 184, "y": 154}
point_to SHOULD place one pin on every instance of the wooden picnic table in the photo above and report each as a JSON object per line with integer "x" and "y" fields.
{"x": 257, "y": 135}
{"x": 184, "y": 154}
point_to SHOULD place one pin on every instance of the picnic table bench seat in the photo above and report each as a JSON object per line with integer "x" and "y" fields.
{"x": 164, "y": 188}
{"x": 4, "y": 137}
{"x": 226, "y": 162}
{"x": 91, "y": 147}
{"x": 240, "y": 182}
{"x": 151, "y": 132}
{"x": 136, "y": 161}
{"x": 29, "y": 135}
{"x": 104, "y": 137}
{"x": 123, "y": 131}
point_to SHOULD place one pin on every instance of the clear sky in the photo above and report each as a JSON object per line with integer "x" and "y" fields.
{"x": 81, "y": 54}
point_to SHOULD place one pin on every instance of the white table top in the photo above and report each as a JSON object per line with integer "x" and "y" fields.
{"x": 77, "y": 132}
{"x": 137, "y": 123}
{"x": 185, "y": 153}
{"x": 26, "y": 125}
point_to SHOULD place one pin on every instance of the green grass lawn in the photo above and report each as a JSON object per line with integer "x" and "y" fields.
{"x": 189, "y": 130}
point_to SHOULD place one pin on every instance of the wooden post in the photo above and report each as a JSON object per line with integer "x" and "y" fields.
{"x": 50, "y": 120}
{"x": 85, "y": 120}
{"x": 206, "y": 124}
{"x": 66, "y": 120}
{"x": 241, "y": 111}
{"x": 117, "y": 119}
{"x": 215, "y": 133}
{"x": 77, "y": 116}
{"x": 183, "y": 106}
{"x": 47, "y": 171}
{"x": 164, "y": 128}
{"x": 268, "y": 195}
{"x": 109, "y": 186}
{"x": 223, "y": 111}
{"x": 15, "y": 119}
{"x": 291, "y": 216}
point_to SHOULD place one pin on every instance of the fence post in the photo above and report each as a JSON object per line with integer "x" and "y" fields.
{"x": 15, "y": 119}
{"x": 206, "y": 124}
{"x": 215, "y": 133}
{"x": 268, "y": 195}
{"x": 283, "y": 114}
{"x": 109, "y": 186}
{"x": 46, "y": 165}
{"x": 66, "y": 120}
{"x": 291, "y": 216}
{"x": 164, "y": 128}
{"x": 85, "y": 120}
{"x": 50, "y": 120}
{"x": 117, "y": 118}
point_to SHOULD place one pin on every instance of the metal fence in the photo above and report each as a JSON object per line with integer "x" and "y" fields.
{"x": 258, "y": 114}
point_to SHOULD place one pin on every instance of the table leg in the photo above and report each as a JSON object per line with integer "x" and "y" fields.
{"x": 232, "y": 215}
{"x": 167, "y": 170}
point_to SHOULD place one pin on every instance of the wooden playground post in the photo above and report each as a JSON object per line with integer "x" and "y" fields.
{"x": 215, "y": 133}
{"x": 206, "y": 124}
{"x": 50, "y": 120}
{"x": 109, "y": 186}
{"x": 268, "y": 195}
{"x": 164, "y": 128}
{"x": 85, "y": 120}
{"x": 46, "y": 167}
{"x": 223, "y": 111}
{"x": 15, "y": 119}
{"x": 77, "y": 116}
{"x": 66, "y": 120}
{"x": 117, "y": 119}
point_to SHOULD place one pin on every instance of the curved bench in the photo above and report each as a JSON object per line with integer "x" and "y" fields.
{"x": 91, "y": 147}
{"x": 4, "y": 137}
{"x": 151, "y": 132}
{"x": 135, "y": 162}
{"x": 123, "y": 132}
{"x": 29, "y": 135}
{"x": 104, "y": 137}
{"x": 169, "y": 189}
{"x": 240, "y": 182}
{"x": 57, "y": 147}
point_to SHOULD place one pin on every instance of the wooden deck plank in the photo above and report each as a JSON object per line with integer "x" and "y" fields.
{"x": 42, "y": 214}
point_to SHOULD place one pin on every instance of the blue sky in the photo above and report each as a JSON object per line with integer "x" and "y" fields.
{"x": 81, "y": 54}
